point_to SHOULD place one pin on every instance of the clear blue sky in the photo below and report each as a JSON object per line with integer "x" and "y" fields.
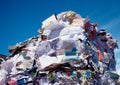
{"x": 20, "y": 19}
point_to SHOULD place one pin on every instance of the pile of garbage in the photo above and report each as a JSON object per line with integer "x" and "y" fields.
{"x": 69, "y": 50}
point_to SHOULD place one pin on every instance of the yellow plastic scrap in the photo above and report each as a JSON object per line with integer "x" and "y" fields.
{"x": 70, "y": 14}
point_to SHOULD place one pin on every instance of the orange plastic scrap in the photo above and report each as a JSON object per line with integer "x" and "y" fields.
{"x": 40, "y": 31}
{"x": 110, "y": 46}
{"x": 24, "y": 49}
{"x": 100, "y": 56}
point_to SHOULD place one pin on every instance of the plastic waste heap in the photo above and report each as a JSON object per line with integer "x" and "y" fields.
{"x": 69, "y": 50}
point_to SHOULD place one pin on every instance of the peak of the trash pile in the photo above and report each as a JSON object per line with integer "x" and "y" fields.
{"x": 69, "y": 50}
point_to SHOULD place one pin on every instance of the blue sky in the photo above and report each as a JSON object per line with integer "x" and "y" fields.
{"x": 20, "y": 19}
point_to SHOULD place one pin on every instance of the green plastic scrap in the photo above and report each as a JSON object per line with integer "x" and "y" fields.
{"x": 36, "y": 73}
{"x": 51, "y": 76}
{"x": 88, "y": 46}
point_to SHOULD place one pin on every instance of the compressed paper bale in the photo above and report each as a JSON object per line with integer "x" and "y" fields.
{"x": 59, "y": 35}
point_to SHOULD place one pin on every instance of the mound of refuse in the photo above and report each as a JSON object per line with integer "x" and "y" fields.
{"x": 69, "y": 50}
